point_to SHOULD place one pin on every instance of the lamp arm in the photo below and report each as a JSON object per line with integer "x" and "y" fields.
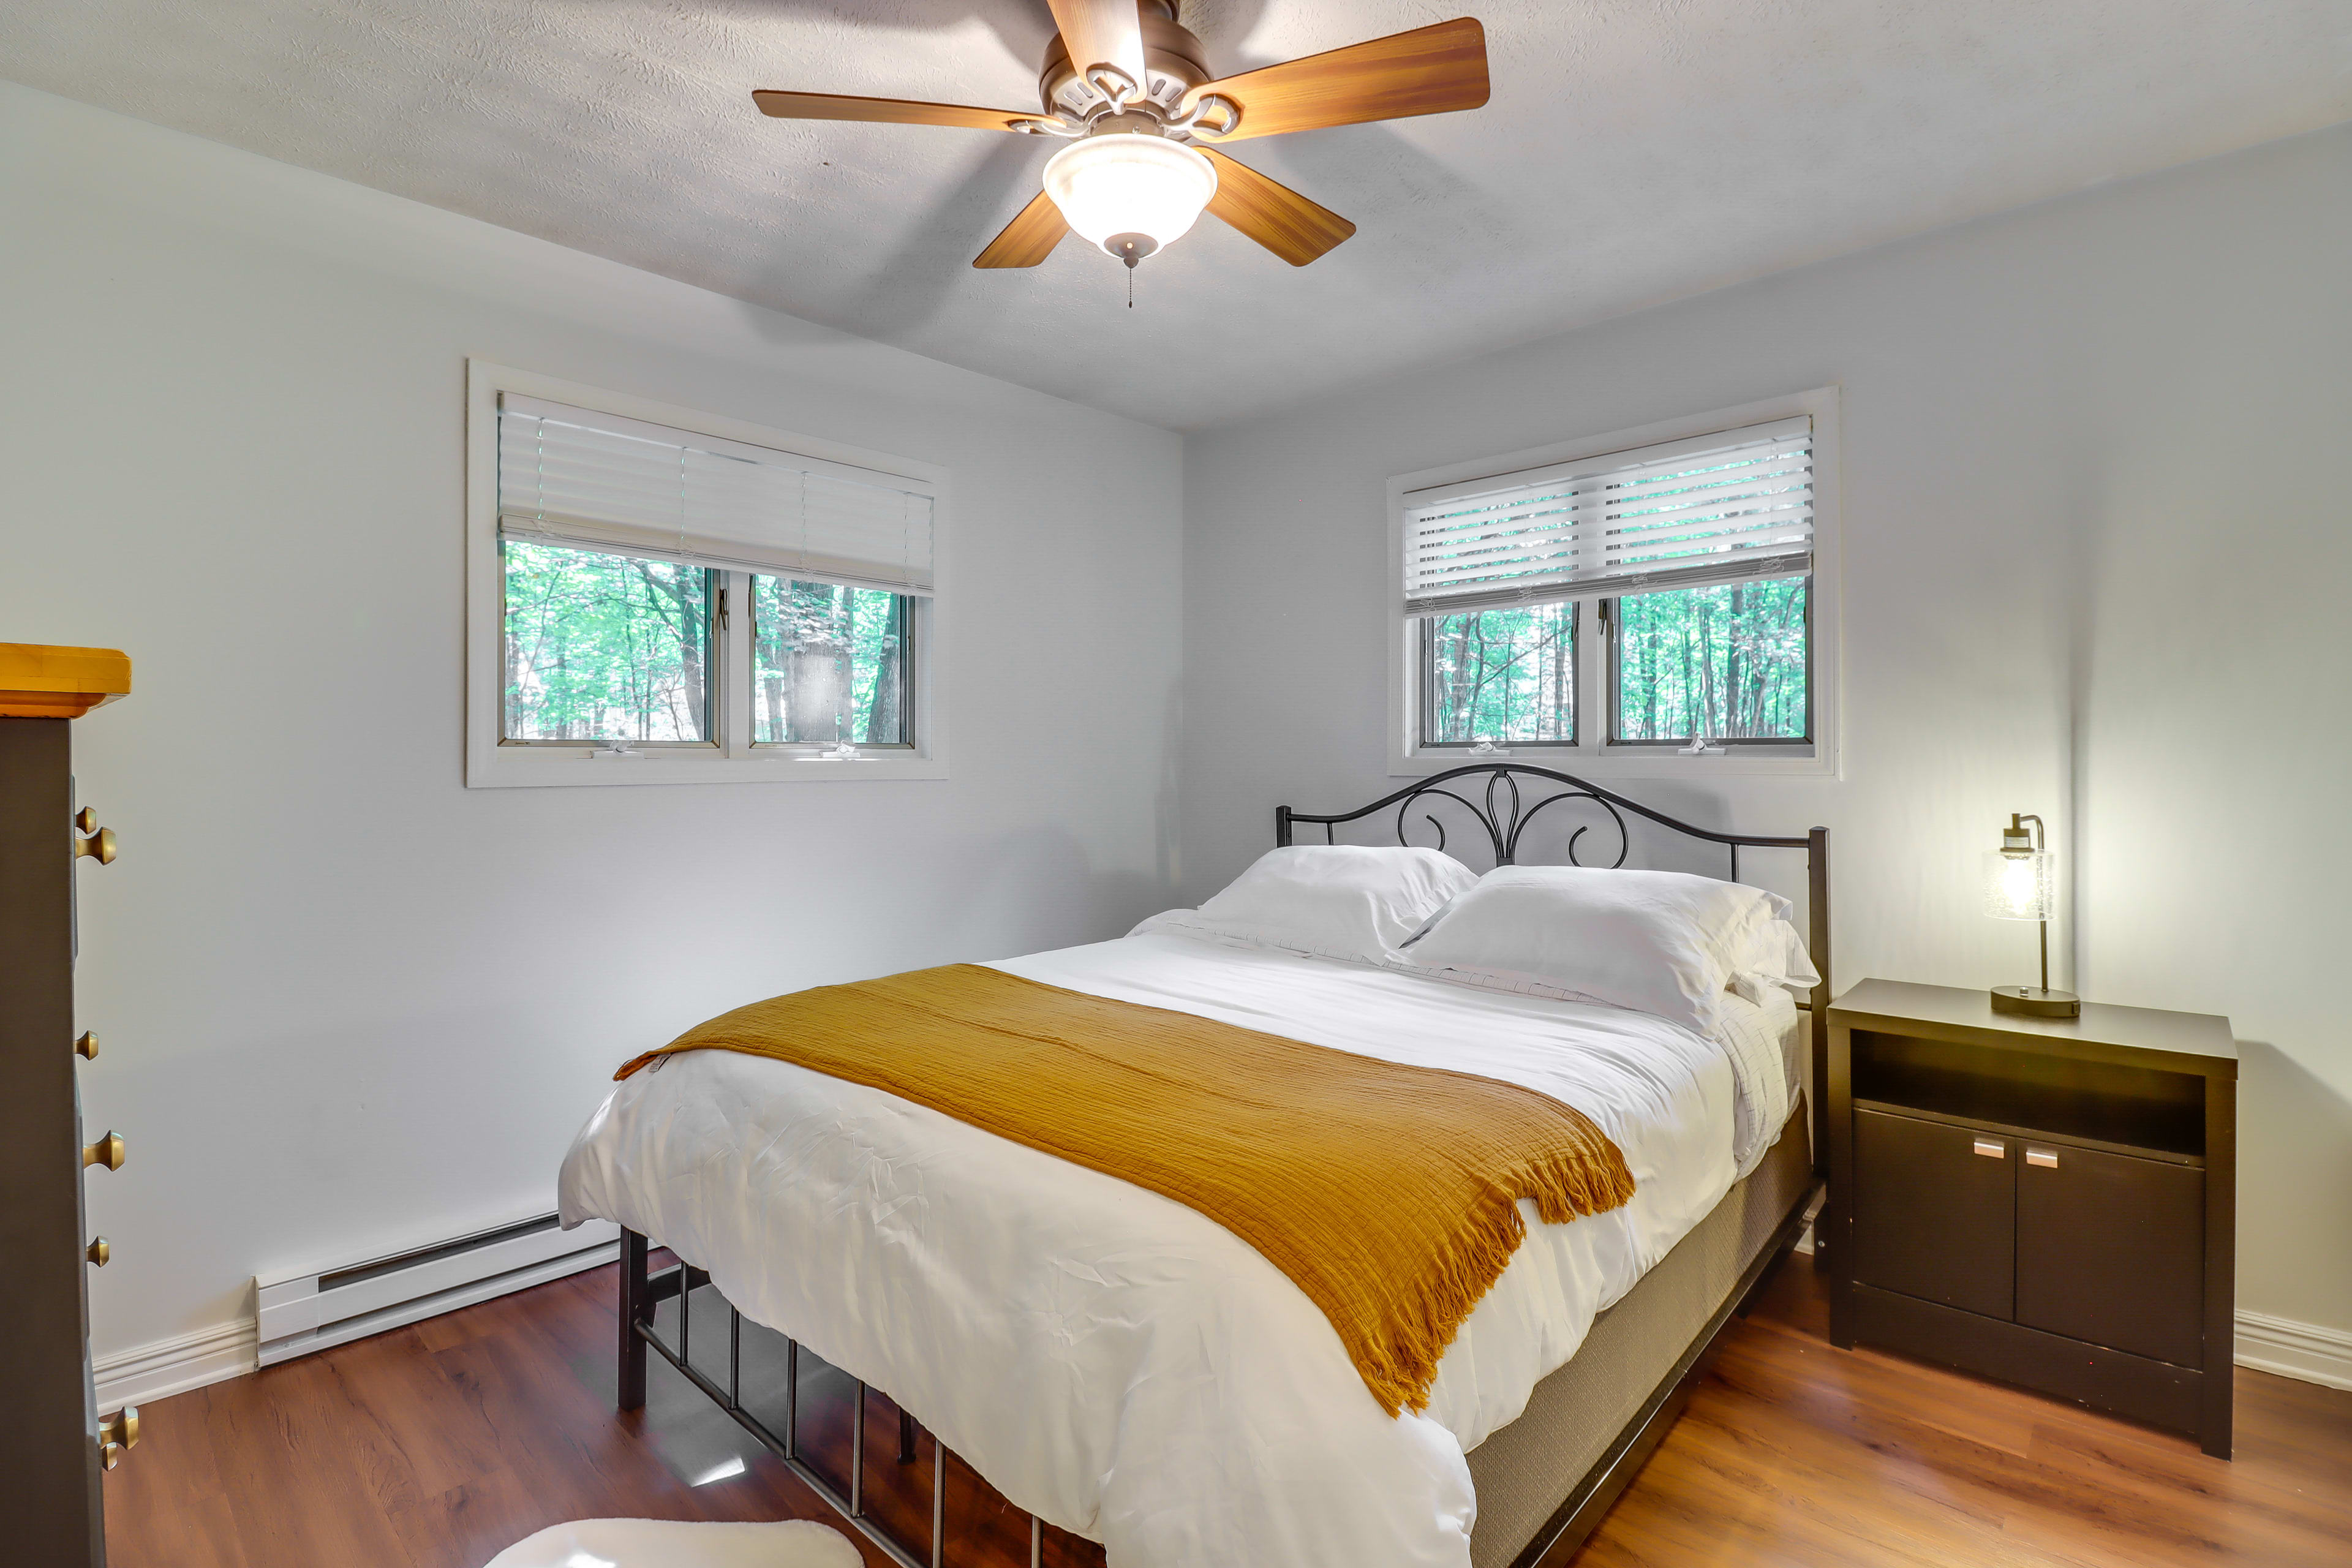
{"x": 2041, "y": 845}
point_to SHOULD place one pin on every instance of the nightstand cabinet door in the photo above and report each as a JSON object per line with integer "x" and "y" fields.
{"x": 1933, "y": 1218}
{"x": 2111, "y": 1249}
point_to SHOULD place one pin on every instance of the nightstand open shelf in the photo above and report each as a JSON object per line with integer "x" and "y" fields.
{"x": 2046, "y": 1201}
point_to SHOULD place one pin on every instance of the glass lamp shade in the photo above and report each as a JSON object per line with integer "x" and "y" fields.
{"x": 1123, "y": 183}
{"x": 2019, "y": 887}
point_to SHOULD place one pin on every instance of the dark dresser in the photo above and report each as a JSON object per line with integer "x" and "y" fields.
{"x": 2049, "y": 1202}
{"x": 54, "y": 1442}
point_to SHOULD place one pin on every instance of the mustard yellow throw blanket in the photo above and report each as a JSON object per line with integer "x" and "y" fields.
{"x": 1388, "y": 1193}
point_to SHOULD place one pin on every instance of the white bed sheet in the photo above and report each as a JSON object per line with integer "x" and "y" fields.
{"x": 1119, "y": 1363}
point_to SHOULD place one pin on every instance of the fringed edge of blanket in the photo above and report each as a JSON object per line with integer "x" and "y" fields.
{"x": 1401, "y": 1375}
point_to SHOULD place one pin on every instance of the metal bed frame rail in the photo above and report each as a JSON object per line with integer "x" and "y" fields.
{"x": 643, "y": 1292}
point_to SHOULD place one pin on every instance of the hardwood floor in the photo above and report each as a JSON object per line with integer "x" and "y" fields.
{"x": 1794, "y": 1453}
{"x": 436, "y": 1446}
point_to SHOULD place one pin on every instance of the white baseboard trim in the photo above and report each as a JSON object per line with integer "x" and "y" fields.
{"x": 2304, "y": 1350}
{"x": 175, "y": 1365}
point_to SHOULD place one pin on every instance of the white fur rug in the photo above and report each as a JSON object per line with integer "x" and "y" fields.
{"x": 663, "y": 1544}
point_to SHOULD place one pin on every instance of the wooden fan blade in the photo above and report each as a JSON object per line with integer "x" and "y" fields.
{"x": 1102, "y": 33}
{"x": 1430, "y": 70}
{"x": 1272, "y": 214}
{"x": 1029, "y": 238}
{"x": 886, "y": 110}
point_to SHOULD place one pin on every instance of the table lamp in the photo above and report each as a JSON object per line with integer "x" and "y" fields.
{"x": 2018, "y": 886}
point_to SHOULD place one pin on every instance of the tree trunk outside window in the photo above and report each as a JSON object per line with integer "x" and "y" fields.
{"x": 882, "y": 713}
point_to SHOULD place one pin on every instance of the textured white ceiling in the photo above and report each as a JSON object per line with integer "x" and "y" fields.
{"x": 1635, "y": 150}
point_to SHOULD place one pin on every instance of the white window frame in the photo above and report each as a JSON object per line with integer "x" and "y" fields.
{"x": 1591, "y": 755}
{"x": 731, "y": 756}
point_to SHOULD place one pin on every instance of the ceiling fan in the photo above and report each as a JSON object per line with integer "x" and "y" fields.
{"x": 1142, "y": 115}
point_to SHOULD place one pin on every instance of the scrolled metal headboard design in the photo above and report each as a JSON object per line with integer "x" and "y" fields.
{"x": 1504, "y": 810}
{"x": 1504, "y": 813}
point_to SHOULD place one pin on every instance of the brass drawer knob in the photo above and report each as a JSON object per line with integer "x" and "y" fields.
{"x": 121, "y": 1430}
{"x": 98, "y": 1251}
{"x": 105, "y": 1152}
{"x": 109, "y": 1455}
{"x": 86, "y": 819}
{"x": 98, "y": 847}
{"x": 86, "y": 1047}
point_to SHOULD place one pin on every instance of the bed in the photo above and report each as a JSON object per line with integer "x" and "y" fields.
{"x": 1122, "y": 1368}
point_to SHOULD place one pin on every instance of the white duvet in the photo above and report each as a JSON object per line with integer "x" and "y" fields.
{"x": 1119, "y": 1364}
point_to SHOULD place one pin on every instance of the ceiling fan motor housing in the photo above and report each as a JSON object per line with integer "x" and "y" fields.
{"x": 1173, "y": 63}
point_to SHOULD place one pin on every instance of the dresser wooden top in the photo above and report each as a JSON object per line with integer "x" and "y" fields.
{"x": 42, "y": 680}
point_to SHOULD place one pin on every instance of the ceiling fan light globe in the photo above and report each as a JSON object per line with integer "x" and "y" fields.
{"x": 1125, "y": 183}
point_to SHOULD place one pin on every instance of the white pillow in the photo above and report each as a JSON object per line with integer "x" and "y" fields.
{"x": 1659, "y": 942}
{"x": 1770, "y": 947}
{"x": 1340, "y": 901}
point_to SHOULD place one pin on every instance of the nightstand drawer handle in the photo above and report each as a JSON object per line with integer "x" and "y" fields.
{"x": 1992, "y": 1148}
{"x": 2048, "y": 1157}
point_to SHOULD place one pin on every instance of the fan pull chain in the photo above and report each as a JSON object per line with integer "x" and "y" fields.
{"x": 1131, "y": 248}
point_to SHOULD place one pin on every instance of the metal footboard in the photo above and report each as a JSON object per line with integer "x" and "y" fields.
{"x": 643, "y": 1290}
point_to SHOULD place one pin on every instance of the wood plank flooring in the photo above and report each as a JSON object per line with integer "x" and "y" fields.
{"x": 438, "y": 1445}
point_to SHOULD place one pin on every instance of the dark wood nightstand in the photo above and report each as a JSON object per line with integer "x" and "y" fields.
{"x": 2051, "y": 1202}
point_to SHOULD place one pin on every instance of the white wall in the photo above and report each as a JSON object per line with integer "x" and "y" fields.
{"x": 2067, "y": 431}
{"x": 347, "y": 1003}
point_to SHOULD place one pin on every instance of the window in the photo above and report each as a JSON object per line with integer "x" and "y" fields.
{"x": 1729, "y": 661}
{"x": 1631, "y": 599}
{"x": 665, "y": 596}
{"x": 1502, "y": 675}
{"x": 601, "y": 646}
{"x": 831, "y": 663}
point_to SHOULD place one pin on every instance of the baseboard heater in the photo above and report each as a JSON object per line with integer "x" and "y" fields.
{"x": 301, "y": 1313}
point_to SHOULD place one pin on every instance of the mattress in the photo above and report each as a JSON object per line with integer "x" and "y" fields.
{"x": 1177, "y": 1398}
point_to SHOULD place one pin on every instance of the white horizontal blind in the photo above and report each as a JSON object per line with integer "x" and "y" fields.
{"x": 598, "y": 481}
{"x": 1681, "y": 514}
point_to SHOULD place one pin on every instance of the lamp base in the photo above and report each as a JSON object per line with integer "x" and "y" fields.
{"x": 2034, "y": 1000}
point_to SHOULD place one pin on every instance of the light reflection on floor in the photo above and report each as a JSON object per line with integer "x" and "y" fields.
{"x": 725, "y": 1470}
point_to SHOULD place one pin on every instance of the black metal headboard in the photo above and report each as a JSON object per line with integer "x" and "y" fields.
{"x": 1504, "y": 810}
